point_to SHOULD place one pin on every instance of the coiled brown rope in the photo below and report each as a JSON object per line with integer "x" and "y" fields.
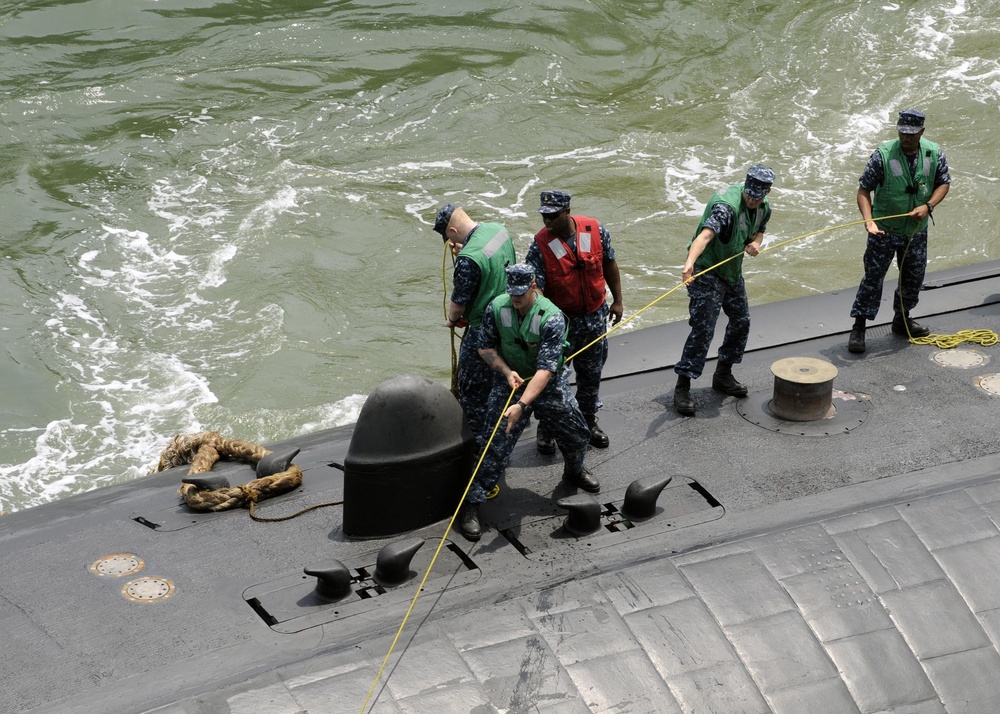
{"x": 202, "y": 449}
{"x": 222, "y": 499}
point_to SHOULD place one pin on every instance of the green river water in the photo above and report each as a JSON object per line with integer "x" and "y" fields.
{"x": 216, "y": 215}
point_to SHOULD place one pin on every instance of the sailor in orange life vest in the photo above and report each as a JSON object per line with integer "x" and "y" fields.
{"x": 574, "y": 261}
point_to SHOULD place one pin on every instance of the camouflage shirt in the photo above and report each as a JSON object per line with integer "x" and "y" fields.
{"x": 721, "y": 221}
{"x": 465, "y": 281}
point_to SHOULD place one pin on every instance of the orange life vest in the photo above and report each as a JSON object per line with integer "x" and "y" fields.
{"x": 574, "y": 281}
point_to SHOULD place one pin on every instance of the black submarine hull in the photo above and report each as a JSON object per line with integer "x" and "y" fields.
{"x": 844, "y": 564}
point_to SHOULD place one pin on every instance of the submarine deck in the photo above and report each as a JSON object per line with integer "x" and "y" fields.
{"x": 846, "y": 564}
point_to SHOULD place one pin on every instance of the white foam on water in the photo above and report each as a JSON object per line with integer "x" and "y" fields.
{"x": 328, "y": 416}
{"x": 138, "y": 334}
{"x": 116, "y": 423}
{"x": 264, "y": 215}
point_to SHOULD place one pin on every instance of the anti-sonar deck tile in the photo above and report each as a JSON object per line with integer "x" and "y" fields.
{"x": 682, "y": 637}
{"x": 645, "y": 586}
{"x": 518, "y": 672}
{"x": 780, "y": 652}
{"x": 935, "y": 620}
{"x": 967, "y": 681}
{"x": 972, "y": 567}
{"x": 947, "y": 519}
{"x": 625, "y": 682}
{"x": 880, "y": 670}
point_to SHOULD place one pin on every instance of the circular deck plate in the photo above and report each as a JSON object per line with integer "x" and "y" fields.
{"x": 118, "y": 565}
{"x": 148, "y": 590}
{"x": 960, "y": 358}
{"x": 847, "y": 411}
{"x": 990, "y": 384}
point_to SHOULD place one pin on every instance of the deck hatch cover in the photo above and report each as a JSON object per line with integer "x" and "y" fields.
{"x": 148, "y": 589}
{"x": 290, "y": 604}
{"x": 960, "y": 358}
{"x": 117, "y": 565}
{"x": 990, "y": 384}
{"x": 684, "y": 502}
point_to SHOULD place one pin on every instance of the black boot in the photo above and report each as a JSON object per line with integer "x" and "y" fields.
{"x": 724, "y": 381}
{"x": 468, "y": 521}
{"x": 582, "y": 479}
{"x": 908, "y": 327}
{"x": 543, "y": 441}
{"x": 683, "y": 402}
{"x": 856, "y": 342}
{"x": 597, "y": 436}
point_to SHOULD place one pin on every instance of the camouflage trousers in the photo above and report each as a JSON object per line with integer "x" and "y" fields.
{"x": 589, "y": 364}
{"x": 563, "y": 418}
{"x": 474, "y": 382}
{"x": 707, "y": 295}
{"x": 911, "y": 258}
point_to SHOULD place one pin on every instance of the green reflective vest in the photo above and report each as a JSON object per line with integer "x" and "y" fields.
{"x": 520, "y": 337}
{"x": 491, "y": 248}
{"x": 746, "y": 224}
{"x": 900, "y": 192}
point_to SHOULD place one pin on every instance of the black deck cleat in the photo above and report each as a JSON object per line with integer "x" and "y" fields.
{"x": 584, "y": 514}
{"x": 275, "y": 463}
{"x": 393, "y": 564}
{"x": 333, "y": 579}
{"x": 641, "y": 495}
{"x": 208, "y": 482}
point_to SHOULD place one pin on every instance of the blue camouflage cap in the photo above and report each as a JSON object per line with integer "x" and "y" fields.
{"x": 520, "y": 276}
{"x": 554, "y": 202}
{"x": 910, "y": 122}
{"x": 443, "y": 217}
{"x": 758, "y": 181}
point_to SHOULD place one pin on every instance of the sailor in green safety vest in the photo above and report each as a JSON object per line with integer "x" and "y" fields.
{"x": 483, "y": 251}
{"x": 523, "y": 338}
{"x": 732, "y": 226}
{"x": 908, "y": 175}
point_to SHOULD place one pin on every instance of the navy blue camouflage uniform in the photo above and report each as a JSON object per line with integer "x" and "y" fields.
{"x": 910, "y": 253}
{"x": 475, "y": 378}
{"x": 707, "y": 295}
{"x": 555, "y": 404}
{"x": 582, "y": 331}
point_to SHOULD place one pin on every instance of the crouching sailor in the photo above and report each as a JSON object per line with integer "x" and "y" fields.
{"x": 522, "y": 337}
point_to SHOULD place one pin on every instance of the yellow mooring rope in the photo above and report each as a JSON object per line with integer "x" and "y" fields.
{"x": 986, "y": 338}
{"x": 982, "y": 337}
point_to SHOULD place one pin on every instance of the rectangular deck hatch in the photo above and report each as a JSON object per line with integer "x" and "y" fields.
{"x": 290, "y": 603}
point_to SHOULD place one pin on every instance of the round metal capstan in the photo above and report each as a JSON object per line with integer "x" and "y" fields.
{"x": 803, "y": 389}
